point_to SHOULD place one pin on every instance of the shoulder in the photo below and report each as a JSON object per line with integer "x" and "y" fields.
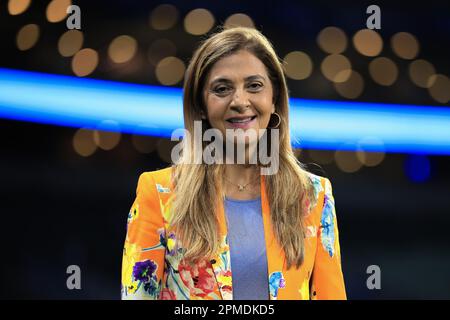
{"x": 323, "y": 196}
{"x": 158, "y": 180}
{"x": 152, "y": 192}
{"x": 156, "y": 174}
{"x": 319, "y": 184}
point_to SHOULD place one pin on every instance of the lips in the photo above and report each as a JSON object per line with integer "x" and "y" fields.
{"x": 241, "y": 119}
{"x": 241, "y": 122}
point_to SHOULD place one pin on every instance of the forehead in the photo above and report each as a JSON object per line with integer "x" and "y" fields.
{"x": 238, "y": 65}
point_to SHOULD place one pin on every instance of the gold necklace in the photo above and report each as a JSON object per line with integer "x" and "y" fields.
{"x": 241, "y": 187}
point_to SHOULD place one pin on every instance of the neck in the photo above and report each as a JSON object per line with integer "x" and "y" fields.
{"x": 241, "y": 173}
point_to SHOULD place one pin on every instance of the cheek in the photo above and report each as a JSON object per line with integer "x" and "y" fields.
{"x": 264, "y": 120}
{"x": 216, "y": 108}
{"x": 265, "y": 112}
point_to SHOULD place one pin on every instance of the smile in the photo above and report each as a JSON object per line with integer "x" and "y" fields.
{"x": 242, "y": 123}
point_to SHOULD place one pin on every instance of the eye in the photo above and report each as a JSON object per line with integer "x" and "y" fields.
{"x": 221, "y": 90}
{"x": 255, "y": 86}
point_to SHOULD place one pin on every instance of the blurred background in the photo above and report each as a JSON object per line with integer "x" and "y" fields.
{"x": 67, "y": 185}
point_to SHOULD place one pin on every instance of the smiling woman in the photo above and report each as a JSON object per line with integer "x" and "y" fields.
{"x": 234, "y": 94}
{"x": 238, "y": 94}
{"x": 229, "y": 230}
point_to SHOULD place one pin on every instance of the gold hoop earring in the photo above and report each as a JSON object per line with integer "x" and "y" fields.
{"x": 279, "y": 121}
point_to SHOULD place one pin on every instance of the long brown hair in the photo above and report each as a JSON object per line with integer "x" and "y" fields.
{"x": 197, "y": 185}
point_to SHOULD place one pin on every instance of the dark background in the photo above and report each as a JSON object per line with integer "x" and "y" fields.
{"x": 59, "y": 208}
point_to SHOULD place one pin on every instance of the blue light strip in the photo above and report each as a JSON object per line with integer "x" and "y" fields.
{"x": 157, "y": 111}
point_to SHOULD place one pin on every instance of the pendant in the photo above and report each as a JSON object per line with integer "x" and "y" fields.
{"x": 241, "y": 187}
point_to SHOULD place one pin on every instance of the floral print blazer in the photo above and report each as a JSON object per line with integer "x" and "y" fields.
{"x": 153, "y": 269}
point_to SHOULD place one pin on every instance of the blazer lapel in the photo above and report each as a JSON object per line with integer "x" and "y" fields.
{"x": 275, "y": 255}
{"x": 221, "y": 263}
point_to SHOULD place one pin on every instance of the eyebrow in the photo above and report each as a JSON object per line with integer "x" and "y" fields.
{"x": 249, "y": 78}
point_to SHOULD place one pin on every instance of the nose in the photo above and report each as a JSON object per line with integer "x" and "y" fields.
{"x": 240, "y": 100}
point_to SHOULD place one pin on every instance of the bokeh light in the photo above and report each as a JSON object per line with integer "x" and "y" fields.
{"x": 239, "y": 20}
{"x": 198, "y": 21}
{"x": 16, "y": 7}
{"x": 336, "y": 68}
{"x": 122, "y": 49}
{"x": 405, "y": 45}
{"x": 70, "y": 43}
{"x": 420, "y": 72}
{"x": 383, "y": 71}
{"x": 352, "y": 88}
{"x": 298, "y": 65}
{"x": 27, "y": 36}
{"x": 347, "y": 161}
{"x": 332, "y": 40}
{"x": 84, "y": 62}
{"x": 170, "y": 71}
{"x": 370, "y": 158}
{"x": 417, "y": 168}
{"x": 106, "y": 140}
{"x": 83, "y": 142}
{"x": 365, "y": 154}
{"x": 368, "y": 42}
{"x": 164, "y": 17}
{"x": 439, "y": 88}
{"x": 57, "y": 10}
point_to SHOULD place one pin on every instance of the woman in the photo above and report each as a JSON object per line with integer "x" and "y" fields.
{"x": 225, "y": 230}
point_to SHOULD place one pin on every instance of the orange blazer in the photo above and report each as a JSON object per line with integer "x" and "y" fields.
{"x": 153, "y": 269}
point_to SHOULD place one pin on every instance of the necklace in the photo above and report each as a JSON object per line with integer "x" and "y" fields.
{"x": 241, "y": 187}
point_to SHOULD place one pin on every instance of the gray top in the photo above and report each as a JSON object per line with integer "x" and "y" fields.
{"x": 247, "y": 249}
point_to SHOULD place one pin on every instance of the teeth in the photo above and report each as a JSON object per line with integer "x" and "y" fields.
{"x": 240, "y": 120}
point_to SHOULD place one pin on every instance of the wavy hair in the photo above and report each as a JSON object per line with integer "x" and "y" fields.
{"x": 197, "y": 186}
